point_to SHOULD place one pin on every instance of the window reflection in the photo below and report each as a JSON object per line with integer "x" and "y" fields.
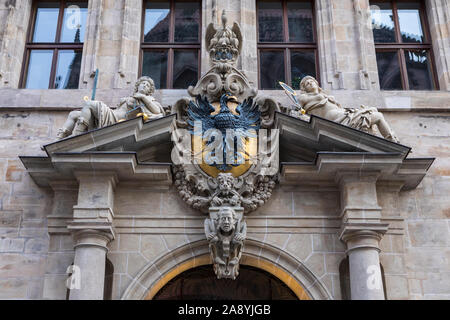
{"x": 74, "y": 22}
{"x": 389, "y": 71}
{"x": 382, "y": 22}
{"x": 155, "y": 66}
{"x": 157, "y": 20}
{"x": 39, "y": 67}
{"x": 418, "y": 68}
{"x": 410, "y": 23}
{"x": 270, "y": 21}
{"x": 68, "y": 69}
{"x": 46, "y": 22}
{"x": 171, "y": 42}
{"x": 300, "y": 22}
{"x": 302, "y": 64}
{"x": 271, "y": 68}
{"x": 187, "y": 18}
{"x": 50, "y": 63}
{"x": 185, "y": 69}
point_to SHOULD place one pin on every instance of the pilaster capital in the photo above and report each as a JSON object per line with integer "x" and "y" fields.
{"x": 97, "y": 176}
{"x": 92, "y": 235}
{"x": 64, "y": 185}
{"x": 344, "y": 177}
{"x": 363, "y": 235}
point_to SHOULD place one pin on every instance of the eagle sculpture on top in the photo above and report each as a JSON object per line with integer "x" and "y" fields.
{"x": 245, "y": 124}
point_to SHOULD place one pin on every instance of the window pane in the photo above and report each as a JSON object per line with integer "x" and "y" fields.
{"x": 39, "y": 69}
{"x": 157, "y": 20}
{"x": 410, "y": 23}
{"x": 155, "y": 66}
{"x": 74, "y": 22}
{"x": 185, "y": 69}
{"x": 389, "y": 71}
{"x": 271, "y": 66}
{"x": 46, "y": 22}
{"x": 68, "y": 69}
{"x": 300, "y": 22}
{"x": 382, "y": 22}
{"x": 303, "y": 63}
{"x": 418, "y": 67}
{"x": 270, "y": 21}
{"x": 187, "y": 18}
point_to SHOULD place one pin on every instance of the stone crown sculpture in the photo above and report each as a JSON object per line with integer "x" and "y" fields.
{"x": 225, "y": 44}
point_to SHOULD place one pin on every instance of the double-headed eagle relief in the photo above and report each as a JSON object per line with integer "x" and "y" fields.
{"x": 234, "y": 128}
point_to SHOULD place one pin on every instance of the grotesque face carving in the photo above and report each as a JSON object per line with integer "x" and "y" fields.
{"x": 227, "y": 219}
{"x": 225, "y": 181}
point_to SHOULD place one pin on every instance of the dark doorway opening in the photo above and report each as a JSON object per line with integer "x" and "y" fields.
{"x": 202, "y": 284}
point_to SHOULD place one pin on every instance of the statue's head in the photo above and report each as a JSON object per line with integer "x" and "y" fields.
{"x": 145, "y": 85}
{"x": 309, "y": 84}
{"x": 225, "y": 181}
{"x": 227, "y": 219}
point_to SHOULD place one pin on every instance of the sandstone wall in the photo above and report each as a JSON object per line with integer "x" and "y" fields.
{"x": 415, "y": 252}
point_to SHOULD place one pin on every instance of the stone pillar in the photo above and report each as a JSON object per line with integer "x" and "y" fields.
{"x": 92, "y": 230}
{"x": 438, "y": 12}
{"x": 90, "y": 258}
{"x": 91, "y": 44}
{"x": 365, "y": 273}
{"x": 14, "y": 18}
{"x": 362, "y": 231}
{"x": 347, "y": 56}
{"x": 368, "y": 69}
{"x": 130, "y": 44}
{"x": 249, "y": 55}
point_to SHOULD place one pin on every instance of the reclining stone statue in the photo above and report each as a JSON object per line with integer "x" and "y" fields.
{"x": 316, "y": 102}
{"x": 96, "y": 114}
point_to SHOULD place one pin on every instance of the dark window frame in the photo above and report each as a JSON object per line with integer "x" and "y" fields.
{"x": 55, "y": 46}
{"x": 171, "y": 45}
{"x": 288, "y": 46}
{"x": 399, "y": 46}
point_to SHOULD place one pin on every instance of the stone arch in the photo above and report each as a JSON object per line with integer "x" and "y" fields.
{"x": 257, "y": 254}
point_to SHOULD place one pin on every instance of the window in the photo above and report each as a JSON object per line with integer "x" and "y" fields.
{"x": 171, "y": 43}
{"x": 287, "y": 49}
{"x": 54, "y": 45}
{"x": 403, "y": 46}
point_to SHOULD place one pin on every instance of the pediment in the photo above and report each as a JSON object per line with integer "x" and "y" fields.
{"x": 149, "y": 140}
{"x": 133, "y": 149}
{"x": 302, "y": 141}
{"x": 318, "y": 150}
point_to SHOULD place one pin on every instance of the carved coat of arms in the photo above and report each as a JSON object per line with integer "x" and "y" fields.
{"x": 226, "y": 153}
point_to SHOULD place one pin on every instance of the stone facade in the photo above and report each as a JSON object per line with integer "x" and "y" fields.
{"x": 155, "y": 232}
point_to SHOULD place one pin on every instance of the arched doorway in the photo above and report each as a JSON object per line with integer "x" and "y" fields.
{"x": 290, "y": 271}
{"x": 201, "y": 283}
